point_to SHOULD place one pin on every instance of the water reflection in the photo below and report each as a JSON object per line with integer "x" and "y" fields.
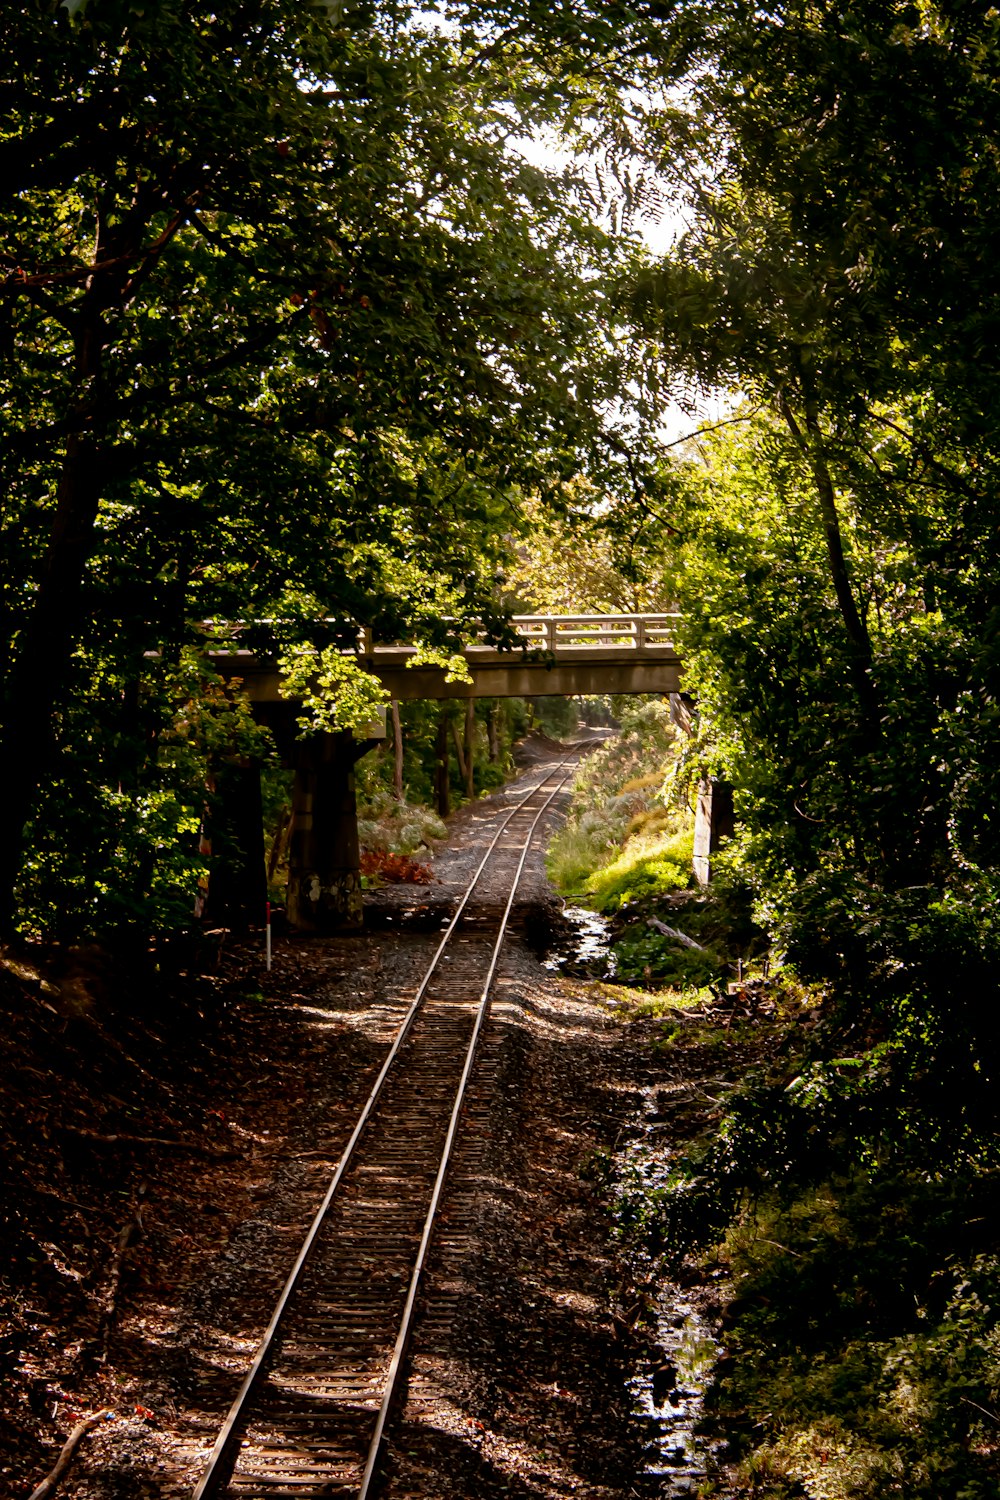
{"x": 668, "y": 1393}
{"x": 669, "y": 1396}
{"x": 585, "y": 946}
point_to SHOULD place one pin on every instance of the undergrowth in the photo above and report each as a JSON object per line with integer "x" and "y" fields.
{"x": 398, "y": 827}
{"x": 856, "y": 1223}
{"x": 647, "y": 866}
{"x": 618, "y": 812}
{"x": 626, "y": 851}
{"x": 381, "y": 865}
{"x": 627, "y": 845}
{"x": 864, "y": 1342}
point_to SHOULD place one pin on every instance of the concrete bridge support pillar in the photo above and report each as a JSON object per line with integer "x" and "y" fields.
{"x": 324, "y": 877}
{"x": 713, "y": 822}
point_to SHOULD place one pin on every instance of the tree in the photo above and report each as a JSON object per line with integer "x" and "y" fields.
{"x": 826, "y": 274}
{"x": 285, "y": 324}
{"x": 837, "y": 568}
{"x": 589, "y": 558}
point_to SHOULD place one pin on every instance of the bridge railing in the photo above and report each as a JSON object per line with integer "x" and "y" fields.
{"x": 557, "y": 633}
{"x": 595, "y": 632}
{"x": 551, "y": 634}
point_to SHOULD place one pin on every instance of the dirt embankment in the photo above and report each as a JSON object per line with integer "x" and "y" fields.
{"x": 166, "y": 1145}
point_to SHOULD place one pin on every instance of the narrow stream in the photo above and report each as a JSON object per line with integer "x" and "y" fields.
{"x": 584, "y": 948}
{"x": 669, "y": 1398}
{"x": 668, "y": 1391}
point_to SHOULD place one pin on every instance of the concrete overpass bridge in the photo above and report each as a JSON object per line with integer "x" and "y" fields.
{"x": 556, "y": 656}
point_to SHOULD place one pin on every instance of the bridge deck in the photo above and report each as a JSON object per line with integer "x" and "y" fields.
{"x": 561, "y": 655}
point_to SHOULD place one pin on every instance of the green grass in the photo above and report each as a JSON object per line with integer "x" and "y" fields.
{"x": 631, "y": 1003}
{"x": 644, "y": 868}
{"x": 572, "y": 856}
{"x": 617, "y": 800}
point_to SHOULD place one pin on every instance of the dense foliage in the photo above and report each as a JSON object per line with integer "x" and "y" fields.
{"x": 617, "y": 801}
{"x": 837, "y": 569}
{"x": 290, "y": 332}
{"x": 626, "y": 851}
{"x": 288, "y": 326}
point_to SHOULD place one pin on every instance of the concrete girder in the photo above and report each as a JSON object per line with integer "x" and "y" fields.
{"x": 493, "y": 675}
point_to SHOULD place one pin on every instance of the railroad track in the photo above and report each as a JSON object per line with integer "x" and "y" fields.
{"x": 311, "y": 1415}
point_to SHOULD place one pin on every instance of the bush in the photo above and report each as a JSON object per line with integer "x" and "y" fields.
{"x": 397, "y": 869}
{"x": 582, "y": 846}
{"x": 643, "y": 869}
{"x": 865, "y": 1340}
{"x": 398, "y": 827}
{"x": 642, "y": 954}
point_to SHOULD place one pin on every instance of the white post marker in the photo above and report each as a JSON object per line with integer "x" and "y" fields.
{"x": 267, "y": 937}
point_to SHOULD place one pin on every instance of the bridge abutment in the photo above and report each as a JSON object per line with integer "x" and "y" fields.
{"x": 559, "y": 656}
{"x": 713, "y": 822}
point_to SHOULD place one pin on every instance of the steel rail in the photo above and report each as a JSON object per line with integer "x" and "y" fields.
{"x": 402, "y": 1338}
{"x": 215, "y": 1471}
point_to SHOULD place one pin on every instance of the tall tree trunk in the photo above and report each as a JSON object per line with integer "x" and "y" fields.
{"x": 441, "y": 774}
{"x": 281, "y": 832}
{"x": 470, "y": 748}
{"x": 41, "y": 665}
{"x": 811, "y": 443}
{"x": 889, "y": 865}
{"x": 463, "y": 769}
{"x": 397, "y": 751}
{"x": 492, "y": 734}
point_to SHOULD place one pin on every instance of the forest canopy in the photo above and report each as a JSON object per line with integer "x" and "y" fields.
{"x": 838, "y": 572}
{"x": 294, "y": 332}
{"x": 288, "y": 327}
{"x": 297, "y": 338}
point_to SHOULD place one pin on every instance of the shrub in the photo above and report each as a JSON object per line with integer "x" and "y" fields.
{"x": 650, "y": 820}
{"x": 618, "y": 795}
{"x": 397, "y": 869}
{"x": 399, "y": 827}
{"x": 571, "y": 859}
{"x": 643, "y": 954}
{"x": 643, "y": 869}
{"x": 866, "y": 1341}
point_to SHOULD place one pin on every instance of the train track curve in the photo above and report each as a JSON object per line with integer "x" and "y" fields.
{"x": 310, "y": 1417}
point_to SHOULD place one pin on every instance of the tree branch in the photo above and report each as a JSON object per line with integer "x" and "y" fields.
{"x": 51, "y": 1483}
{"x": 921, "y": 447}
{"x": 713, "y": 427}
